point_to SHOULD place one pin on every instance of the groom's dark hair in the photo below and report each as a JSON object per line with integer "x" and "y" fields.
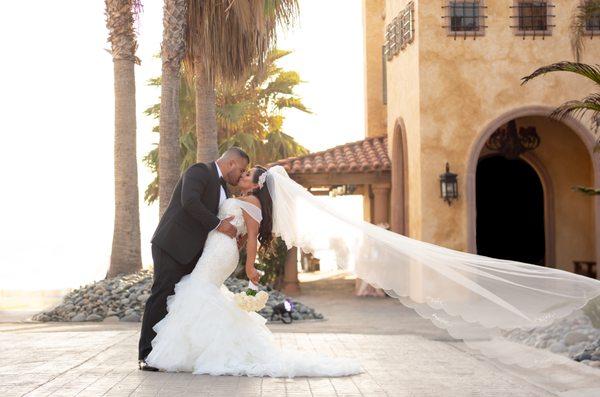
{"x": 237, "y": 151}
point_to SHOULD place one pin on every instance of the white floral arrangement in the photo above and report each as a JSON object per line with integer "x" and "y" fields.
{"x": 251, "y": 300}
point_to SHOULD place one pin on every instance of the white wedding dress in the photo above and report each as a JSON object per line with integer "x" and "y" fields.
{"x": 205, "y": 332}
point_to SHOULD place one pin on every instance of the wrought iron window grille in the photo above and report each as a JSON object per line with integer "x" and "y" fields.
{"x": 399, "y": 32}
{"x": 591, "y": 25}
{"x": 407, "y": 25}
{"x": 464, "y": 18}
{"x": 532, "y": 18}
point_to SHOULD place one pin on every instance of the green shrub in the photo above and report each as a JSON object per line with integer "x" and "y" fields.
{"x": 272, "y": 263}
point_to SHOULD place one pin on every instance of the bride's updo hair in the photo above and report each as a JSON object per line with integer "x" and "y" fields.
{"x": 265, "y": 235}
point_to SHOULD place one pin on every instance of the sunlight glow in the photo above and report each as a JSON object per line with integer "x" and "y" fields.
{"x": 56, "y": 165}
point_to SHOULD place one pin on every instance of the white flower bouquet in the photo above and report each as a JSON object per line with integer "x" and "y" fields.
{"x": 251, "y": 303}
{"x": 251, "y": 300}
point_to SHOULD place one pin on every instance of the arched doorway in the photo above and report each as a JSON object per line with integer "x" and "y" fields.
{"x": 510, "y": 210}
{"x": 567, "y": 213}
{"x": 399, "y": 174}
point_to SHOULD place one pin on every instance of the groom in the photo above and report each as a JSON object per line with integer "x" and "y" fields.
{"x": 179, "y": 239}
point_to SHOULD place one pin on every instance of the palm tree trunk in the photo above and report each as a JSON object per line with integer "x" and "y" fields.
{"x": 173, "y": 50}
{"x": 126, "y": 251}
{"x": 207, "y": 148}
{"x": 169, "y": 156}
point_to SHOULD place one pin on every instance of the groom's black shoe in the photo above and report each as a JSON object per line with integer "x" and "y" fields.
{"x": 145, "y": 367}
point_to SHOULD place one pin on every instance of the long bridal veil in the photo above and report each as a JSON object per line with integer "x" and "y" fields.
{"x": 475, "y": 298}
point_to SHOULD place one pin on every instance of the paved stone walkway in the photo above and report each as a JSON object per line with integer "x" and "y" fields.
{"x": 402, "y": 356}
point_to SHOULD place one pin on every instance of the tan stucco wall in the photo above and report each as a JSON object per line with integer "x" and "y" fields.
{"x": 568, "y": 164}
{"x": 373, "y": 27}
{"x": 403, "y": 108}
{"x": 446, "y": 91}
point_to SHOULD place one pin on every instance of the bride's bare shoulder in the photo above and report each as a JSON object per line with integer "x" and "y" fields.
{"x": 250, "y": 199}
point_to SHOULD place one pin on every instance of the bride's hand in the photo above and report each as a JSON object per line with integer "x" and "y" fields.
{"x": 252, "y": 274}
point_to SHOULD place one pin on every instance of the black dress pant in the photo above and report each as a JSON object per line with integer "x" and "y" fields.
{"x": 167, "y": 273}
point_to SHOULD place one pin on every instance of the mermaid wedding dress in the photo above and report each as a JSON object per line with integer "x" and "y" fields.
{"x": 205, "y": 332}
{"x": 476, "y": 299}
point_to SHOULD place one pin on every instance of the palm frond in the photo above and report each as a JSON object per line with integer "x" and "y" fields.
{"x": 287, "y": 103}
{"x": 225, "y": 38}
{"x": 155, "y": 81}
{"x": 578, "y": 108}
{"x": 153, "y": 111}
{"x": 247, "y": 116}
{"x": 151, "y": 161}
{"x": 592, "y": 72}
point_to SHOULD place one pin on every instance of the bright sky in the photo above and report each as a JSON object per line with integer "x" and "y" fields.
{"x": 56, "y": 162}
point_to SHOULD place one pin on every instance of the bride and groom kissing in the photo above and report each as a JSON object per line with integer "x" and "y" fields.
{"x": 191, "y": 322}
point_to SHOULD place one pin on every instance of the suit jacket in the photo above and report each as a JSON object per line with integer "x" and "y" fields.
{"x": 191, "y": 214}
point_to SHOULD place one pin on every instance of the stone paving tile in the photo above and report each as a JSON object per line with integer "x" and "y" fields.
{"x": 103, "y": 363}
{"x": 402, "y": 354}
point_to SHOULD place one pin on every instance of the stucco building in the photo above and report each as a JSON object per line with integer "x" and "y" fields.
{"x": 451, "y": 84}
{"x": 443, "y": 85}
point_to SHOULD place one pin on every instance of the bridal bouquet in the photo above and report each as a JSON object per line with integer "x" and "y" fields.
{"x": 251, "y": 300}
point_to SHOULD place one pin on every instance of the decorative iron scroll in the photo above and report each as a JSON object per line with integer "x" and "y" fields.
{"x": 512, "y": 143}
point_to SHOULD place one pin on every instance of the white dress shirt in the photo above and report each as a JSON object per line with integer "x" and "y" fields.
{"x": 223, "y": 195}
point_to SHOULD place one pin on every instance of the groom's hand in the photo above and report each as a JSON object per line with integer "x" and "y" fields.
{"x": 227, "y": 228}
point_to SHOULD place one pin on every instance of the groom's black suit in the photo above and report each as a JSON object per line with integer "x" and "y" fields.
{"x": 179, "y": 240}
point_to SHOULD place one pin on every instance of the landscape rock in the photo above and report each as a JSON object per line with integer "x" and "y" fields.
{"x": 573, "y": 336}
{"x": 132, "y": 317}
{"x": 123, "y": 298}
{"x": 78, "y": 317}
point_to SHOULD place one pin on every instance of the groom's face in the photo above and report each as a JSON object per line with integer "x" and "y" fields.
{"x": 237, "y": 168}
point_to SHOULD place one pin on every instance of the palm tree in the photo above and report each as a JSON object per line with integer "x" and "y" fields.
{"x": 172, "y": 53}
{"x": 224, "y": 40}
{"x": 126, "y": 252}
{"x": 586, "y": 12}
{"x": 249, "y": 115}
{"x": 576, "y": 108}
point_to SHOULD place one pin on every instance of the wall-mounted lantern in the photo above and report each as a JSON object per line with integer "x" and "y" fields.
{"x": 449, "y": 185}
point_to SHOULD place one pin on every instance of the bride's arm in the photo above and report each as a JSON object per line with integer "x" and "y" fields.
{"x": 251, "y": 247}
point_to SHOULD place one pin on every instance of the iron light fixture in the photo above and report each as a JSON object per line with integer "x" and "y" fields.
{"x": 448, "y": 185}
{"x": 512, "y": 143}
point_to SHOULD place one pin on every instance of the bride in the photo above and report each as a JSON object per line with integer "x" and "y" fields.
{"x": 205, "y": 332}
{"x": 476, "y": 299}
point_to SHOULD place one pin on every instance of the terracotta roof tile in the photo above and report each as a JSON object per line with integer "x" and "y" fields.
{"x": 363, "y": 156}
